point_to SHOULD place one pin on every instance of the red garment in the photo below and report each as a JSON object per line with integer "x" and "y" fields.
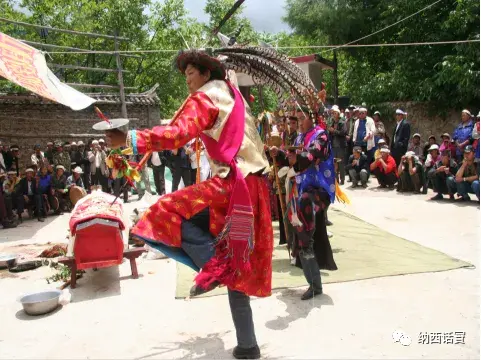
{"x": 162, "y": 221}
{"x": 391, "y": 166}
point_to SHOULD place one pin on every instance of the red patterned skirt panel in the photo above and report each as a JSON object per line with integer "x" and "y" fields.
{"x": 162, "y": 223}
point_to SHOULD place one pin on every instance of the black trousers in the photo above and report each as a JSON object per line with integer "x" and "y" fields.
{"x": 99, "y": 179}
{"x": 33, "y": 201}
{"x": 118, "y": 183}
{"x": 181, "y": 173}
{"x": 159, "y": 179}
{"x": 198, "y": 244}
{"x": 385, "y": 179}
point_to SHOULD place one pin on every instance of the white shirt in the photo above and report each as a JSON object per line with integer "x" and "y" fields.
{"x": 156, "y": 159}
{"x": 98, "y": 159}
{"x": 399, "y": 123}
{"x": 2, "y": 162}
{"x": 29, "y": 186}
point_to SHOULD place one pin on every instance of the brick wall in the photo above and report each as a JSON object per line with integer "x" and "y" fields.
{"x": 423, "y": 119}
{"x": 27, "y": 124}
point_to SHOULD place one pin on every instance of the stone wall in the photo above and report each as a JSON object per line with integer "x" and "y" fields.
{"x": 422, "y": 118}
{"x": 27, "y": 124}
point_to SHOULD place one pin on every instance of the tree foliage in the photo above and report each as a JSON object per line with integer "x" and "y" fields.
{"x": 446, "y": 75}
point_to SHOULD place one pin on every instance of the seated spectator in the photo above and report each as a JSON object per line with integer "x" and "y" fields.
{"x": 416, "y": 147}
{"x": 28, "y": 195}
{"x": 76, "y": 178}
{"x": 385, "y": 169}
{"x": 467, "y": 177}
{"x": 9, "y": 194}
{"x": 447, "y": 144}
{"x": 432, "y": 158}
{"x": 358, "y": 167}
{"x": 44, "y": 180}
{"x": 380, "y": 144}
{"x": 431, "y": 142}
{"x": 411, "y": 174}
{"x": 443, "y": 176}
{"x": 59, "y": 189}
{"x": 4, "y": 220}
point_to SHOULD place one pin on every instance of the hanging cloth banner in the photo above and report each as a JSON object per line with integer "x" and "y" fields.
{"x": 26, "y": 66}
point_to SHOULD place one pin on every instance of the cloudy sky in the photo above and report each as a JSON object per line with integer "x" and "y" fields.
{"x": 255, "y": 11}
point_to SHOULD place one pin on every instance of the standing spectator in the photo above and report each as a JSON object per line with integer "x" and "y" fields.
{"x": 98, "y": 168}
{"x": 444, "y": 175}
{"x": 4, "y": 219}
{"x": 49, "y": 152}
{"x": 38, "y": 158}
{"x": 385, "y": 169}
{"x": 293, "y": 133}
{"x": 337, "y": 132}
{"x": 75, "y": 156}
{"x": 358, "y": 167}
{"x": 349, "y": 121}
{"x": 363, "y": 135}
{"x": 475, "y": 137}
{"x": 380, "y": 132}
{"x": 158, "y": 162}
{"x": 431, "y": 142}
{"x": 411, "y": 174}
{"x": 400, "y": 136}
{"x": 12, "y": 159}
{"x": 181, "y": 169}
{"x": 62, "y": 158}
{"x": 28, "y": 194}
{"x": 416, "y": 147}
{"x": 462, "y": 134}
{"x": 84, "y": 164}
{"x": 3, "y": 167}
{"x": 467, "y": 177}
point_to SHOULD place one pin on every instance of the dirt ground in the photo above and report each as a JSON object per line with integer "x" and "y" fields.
{"x": 112, "y": 316}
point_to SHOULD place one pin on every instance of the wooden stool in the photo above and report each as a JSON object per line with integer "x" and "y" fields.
{"x": 130, "y": 254}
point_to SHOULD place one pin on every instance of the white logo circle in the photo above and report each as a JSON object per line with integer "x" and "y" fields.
{"x": 396, "y": 335}
{"x": 327, "y": 173}
{"x": 332, "y": 187}
{"x": 405, "y": 340}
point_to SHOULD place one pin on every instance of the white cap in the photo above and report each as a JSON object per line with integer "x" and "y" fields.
{"x": 95, "y": 142}
{"x": 61, "y": 167}
{"x": 410, "y": 153}
{"x": 381, "y": 141}
{"x": 400, "y": 112}
{"x": 80, "y": 143}
{"x": 434, "y": 147}
{"x": 363, "y": 109}
{"x": 467, "y": 112}
{"x": 336, "y": 109}
{"x": 11, "y": 172}
{"x": 101, "y": 141}
{"x": 419, "y": 136}
{"x": 377, "y": 113}
{"x": 385, "y": 150}
{"x": 29, "y": 170}
{"x": 347, "y": 110}
{"x": 78, "y": 170}
{"x": 73, "y": 143}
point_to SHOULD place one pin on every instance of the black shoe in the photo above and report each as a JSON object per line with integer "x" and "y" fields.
{"x": 310, "y": 293}
{"x": 329, "y": 223}
{"x": 9, "y": 224}
{"x": 40, "y": 219}
{"x": 20, "y": 220}
{"x": 197, "y": 290}
{"x": 250, "y": 353}
{"x": 364, "y": 185}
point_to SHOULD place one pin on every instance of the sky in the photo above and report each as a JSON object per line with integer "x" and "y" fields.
{"x": 254, "y": 10}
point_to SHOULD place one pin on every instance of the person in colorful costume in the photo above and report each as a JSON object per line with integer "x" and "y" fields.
{"x": 222, "y": 226}
{"x": 311, "y": 188}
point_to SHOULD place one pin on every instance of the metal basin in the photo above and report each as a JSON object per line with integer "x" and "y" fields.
{"x": 7, "y": 261}
{"x": 41, "y": 302}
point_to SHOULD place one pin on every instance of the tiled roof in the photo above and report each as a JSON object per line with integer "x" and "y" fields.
{"x": 148, "y": 98}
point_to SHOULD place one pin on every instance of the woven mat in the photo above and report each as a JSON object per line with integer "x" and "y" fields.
{"x": 361, "y": 250}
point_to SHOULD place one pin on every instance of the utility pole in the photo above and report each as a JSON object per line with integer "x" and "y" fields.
{"x": 121, "y": 77}
{"x": 335, "y": 87}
